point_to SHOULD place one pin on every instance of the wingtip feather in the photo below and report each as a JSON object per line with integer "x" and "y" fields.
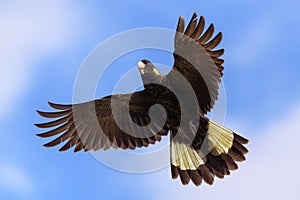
{"x": 59, "y": 106}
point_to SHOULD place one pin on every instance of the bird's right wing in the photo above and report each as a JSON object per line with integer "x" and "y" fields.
{"x": 92, "y": 125}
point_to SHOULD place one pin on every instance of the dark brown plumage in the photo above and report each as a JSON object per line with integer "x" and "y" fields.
{"x": 86, "y": 134}
{"x": 200, "y": 148}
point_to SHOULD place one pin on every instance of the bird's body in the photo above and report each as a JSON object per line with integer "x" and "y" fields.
{"x": 200, "y": 148}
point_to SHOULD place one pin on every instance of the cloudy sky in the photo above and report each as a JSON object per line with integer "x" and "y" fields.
{"x": 44, "y": 43}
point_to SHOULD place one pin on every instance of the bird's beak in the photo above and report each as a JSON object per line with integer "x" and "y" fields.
{"x": 141, "y": 66}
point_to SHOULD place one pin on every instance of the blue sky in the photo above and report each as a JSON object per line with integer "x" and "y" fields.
{"x": 43, "y": 43}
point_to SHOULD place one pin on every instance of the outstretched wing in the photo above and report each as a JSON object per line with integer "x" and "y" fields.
{"x": 196, "y": 59}
{"x": 104, "y": 123}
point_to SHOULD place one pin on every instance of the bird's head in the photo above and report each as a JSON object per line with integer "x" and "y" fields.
{"x": 149, "y": 73}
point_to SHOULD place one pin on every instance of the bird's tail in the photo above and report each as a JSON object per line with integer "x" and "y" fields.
{"x": 213, "y": 153}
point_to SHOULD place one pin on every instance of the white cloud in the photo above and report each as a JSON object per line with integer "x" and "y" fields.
{"x": 270, "y": 172}
{"x": 29, "y": 30}
{"x": 14, "y": 179}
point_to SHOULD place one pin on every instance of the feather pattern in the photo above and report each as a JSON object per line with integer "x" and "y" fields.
{"x": 196, "y": 59}
{"x": 80, "y": 125}
{"x": 214, "y": 152}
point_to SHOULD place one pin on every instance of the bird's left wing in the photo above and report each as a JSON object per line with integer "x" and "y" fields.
{"x": 92, "y": 125}
{"x": 197, "y": 61}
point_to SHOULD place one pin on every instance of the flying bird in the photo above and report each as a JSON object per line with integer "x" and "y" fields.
{"x": 200, "y": 149}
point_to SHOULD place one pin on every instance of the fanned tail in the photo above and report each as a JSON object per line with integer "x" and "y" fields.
{"x": 219, "y": 151}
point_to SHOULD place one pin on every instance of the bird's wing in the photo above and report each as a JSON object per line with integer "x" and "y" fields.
{"x": 92, "y": 126}
{"x": 197, "y": 60}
